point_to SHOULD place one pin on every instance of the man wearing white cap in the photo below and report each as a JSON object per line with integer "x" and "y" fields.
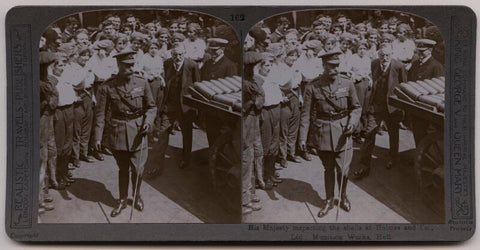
{"x": 219, "y": 66}
{"x": 426, "y": 67}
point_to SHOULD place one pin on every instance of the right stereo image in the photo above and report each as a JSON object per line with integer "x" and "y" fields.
{"x": 343, "y": 118}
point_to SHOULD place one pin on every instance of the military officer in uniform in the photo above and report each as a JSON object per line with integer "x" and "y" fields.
{"x": 219, "y": 66}
{"x": 337, "y": 112}
{"x": 133, "y": 108}
{"x": 426, "y": 67}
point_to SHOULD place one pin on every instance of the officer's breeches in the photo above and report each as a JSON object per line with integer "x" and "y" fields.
{"x": 127, "y": 162}
{"x": 335, "y": 162}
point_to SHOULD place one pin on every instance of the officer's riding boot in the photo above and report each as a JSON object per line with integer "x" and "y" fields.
{"x": 329, "y": 203}
{"x": 52, "y": 173}
{"x": 344, "y": 202}
{"x": 123, "y": 188}
{"x": 122, "y": 204}
{"x": 138, "y": 202}
{"x": 259, "y": 171}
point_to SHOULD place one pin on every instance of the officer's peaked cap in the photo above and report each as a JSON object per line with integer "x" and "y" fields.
{"x": 216, "y": 43}
{"x": 423, "y": 44}
{"x": 332, "y": 56}
{"x": 126, "y": 56}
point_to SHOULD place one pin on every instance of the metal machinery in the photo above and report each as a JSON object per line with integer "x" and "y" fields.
{"x": 424, "y": 101}
{"x": 221, "y": 99}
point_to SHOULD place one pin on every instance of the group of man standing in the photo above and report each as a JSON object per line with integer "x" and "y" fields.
{"x": 115, "y": 92}
{"x": 316, "y": 91}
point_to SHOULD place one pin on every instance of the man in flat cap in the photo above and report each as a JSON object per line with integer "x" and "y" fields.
{"x": 270, "y": 118}
{"x": 288, "y": 75}
{"x": 133, "y": 111}
{"x": 103, "y": 66}
{"x": 48, "y": 150}
{"x": 218, "y": 66}
{"x": 310, "y": 66}
{"x": 337, "y": 112}
{"x": 82, "y": 79}
{"x": 252, "y": 156}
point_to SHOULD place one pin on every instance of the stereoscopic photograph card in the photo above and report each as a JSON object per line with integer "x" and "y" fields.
{"x": 240, "y": 123}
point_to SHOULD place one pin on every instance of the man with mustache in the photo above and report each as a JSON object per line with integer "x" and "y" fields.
{"x": 337, "y": 111}
{"x": 133, "y": 110}
{"x": 386, "y": 74}
{"x": 180, "y": 74}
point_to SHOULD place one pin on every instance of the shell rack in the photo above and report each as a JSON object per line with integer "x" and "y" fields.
{"x": 224, "y": 94}
{"x": 427, "y": 93}
{"x": 425, "y": 102}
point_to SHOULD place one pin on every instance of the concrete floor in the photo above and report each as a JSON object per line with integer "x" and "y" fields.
{"x": 385, "y": 196}
{"x": 187, "y": 196}
{"x": 177, "y": 196}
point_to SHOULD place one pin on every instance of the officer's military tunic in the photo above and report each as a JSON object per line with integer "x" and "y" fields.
{"x": 336, "y": 106}
{"x": 212, "y": 70}
{"x": 132, "y": 105}
{"x": 420, "y": 71}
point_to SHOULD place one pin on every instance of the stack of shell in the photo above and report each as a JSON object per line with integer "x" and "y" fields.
{"x": 227, "y": 91}
{"x": 430, "y": 92}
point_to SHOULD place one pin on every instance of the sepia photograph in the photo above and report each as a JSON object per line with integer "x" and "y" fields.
{"x": 140, "y": 118}
{"x": 343, "y": 118}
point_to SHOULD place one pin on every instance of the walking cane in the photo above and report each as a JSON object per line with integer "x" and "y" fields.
{"x": 138, "y": 178}
{"x": 341, "y": 182}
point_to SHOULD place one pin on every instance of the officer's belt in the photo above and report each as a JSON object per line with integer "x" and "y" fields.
{"x": 64, "y": 106}
{"x": 127, "y": 116}
{"x": 332, "y": 116}
{"x": 270, "y": 106}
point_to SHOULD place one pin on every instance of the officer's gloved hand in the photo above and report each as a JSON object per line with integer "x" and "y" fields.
{"x": 98, "y": 145}
{"x": 145, "y": 129}
{"x": 349, "y": 129}
{"x": 303, "y": 146}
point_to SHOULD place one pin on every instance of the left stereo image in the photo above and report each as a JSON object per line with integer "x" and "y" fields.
{"x": 140, "y": 118}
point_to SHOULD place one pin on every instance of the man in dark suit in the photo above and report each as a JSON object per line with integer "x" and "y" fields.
{"x": 386, "y": 74}
{"x": 219, "y": 66}
{"x": 426, "y": 67}
{"x": 133, "y": 110}
{"x": 180, "y": 74}
{"x": 337, "y": 112}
